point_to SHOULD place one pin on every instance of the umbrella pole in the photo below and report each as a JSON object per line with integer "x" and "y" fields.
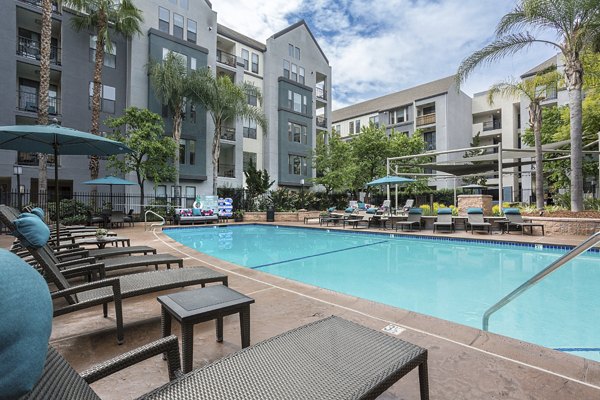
{"x": 56, "y": 197}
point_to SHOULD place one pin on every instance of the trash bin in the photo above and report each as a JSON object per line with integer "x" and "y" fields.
{"x": 271, "y": 214}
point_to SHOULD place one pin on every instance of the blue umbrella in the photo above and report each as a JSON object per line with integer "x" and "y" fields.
{"x": 109, "y": 180}
{"x": 390, "y": 180}
{"x": 56, "y": 139}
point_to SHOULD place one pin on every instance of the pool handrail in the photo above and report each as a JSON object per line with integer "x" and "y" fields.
{"x": 153, "y": 224}
{"x": 584, "y": 246}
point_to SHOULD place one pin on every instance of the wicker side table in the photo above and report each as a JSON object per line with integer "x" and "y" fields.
{"x": 201, "y": 305}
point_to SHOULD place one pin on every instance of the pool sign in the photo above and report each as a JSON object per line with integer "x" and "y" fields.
{"x": 393, "y": 329}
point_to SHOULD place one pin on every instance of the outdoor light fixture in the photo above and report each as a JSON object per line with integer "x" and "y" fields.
{"x": 18, "y": 171}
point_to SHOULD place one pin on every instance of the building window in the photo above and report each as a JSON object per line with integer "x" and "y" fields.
{"x": 107, "y": 98}
{"x": 249, "y": 128}
{"x": 110, "y": 55}
{"x": 183, "y": 57}
{"x": 297, "y": 133}
{"x": 255, "y": 63}
{"x": 182, "y": 151}
{"x": 164, "y": 17}
{"x": 190, "y": 196}
{"x": 357, "y": 126}
{"x": 291, "y": 50}
{"x": 374, "y": 120}
{"x": 246, "y": 58}
{"x": 192, "y": 29}
{"x": 297, "y": 102}
{"x": 175, "y": 191}
{"x": 192, "y": 149}
{"x": 193, "y": 63}
{"x": 178, "y": 21}
{"x": 294, "y": 75}
{"x": 252, "y": 99}
{"x": 304, "y": 105}
{"x": 301, "y": 75}
{"x": 286, "y": 69}
{"x": 297, "y": 53}
{"x": 161, "y": 191}
{"x": 429, "y": 138}
{"x": 249, "y": 158}
{"x": 297, "y": 165}
{"x": 351, "y": 127}
{"x": 338, "y": 128}
{"x": 193, "y": 113}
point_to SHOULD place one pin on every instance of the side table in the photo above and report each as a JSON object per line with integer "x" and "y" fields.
{"x": 201, "y": 305}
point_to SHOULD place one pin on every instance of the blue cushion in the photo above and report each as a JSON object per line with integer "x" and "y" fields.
{"x": 39, "y": 212}
{"x": 371, "y": 211}
{"x": 31, "y": 230}
{"x": 26, "y": 310}
{"x": 331, "y": 209}
{"x": 349, "y": 209}
{"x": 512, "y": 211}
{"x": 415, "y": 211}
{"x": 196, "y": 212}
{"x": 474, "y": 210}
{"x": 444, "y": 211}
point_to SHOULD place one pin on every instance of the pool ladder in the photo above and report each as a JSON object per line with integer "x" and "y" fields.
{"x": 153, "y": 224}
{"x": 589, "y": 242}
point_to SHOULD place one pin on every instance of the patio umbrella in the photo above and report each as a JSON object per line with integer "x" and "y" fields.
{"x": 109, "y": 180}
{"x": 57, "y": 140}
{"x": 390, "y": 180}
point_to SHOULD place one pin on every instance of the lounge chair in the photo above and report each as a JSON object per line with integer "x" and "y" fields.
{"x": 515, "y": 219}
{"x": 117, "y": 218}
{"x": 413, "y": 219}
{"x": 444, "y": 219}
{"x": 129, "y": 218}
{"x": 408, "y": 205}
{"x": 475, "y": 220}
{"x": 358, "y": 218}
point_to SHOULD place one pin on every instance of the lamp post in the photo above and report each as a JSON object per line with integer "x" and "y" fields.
{"x": 18, "y": 170}
{"x": 302, "y": 191}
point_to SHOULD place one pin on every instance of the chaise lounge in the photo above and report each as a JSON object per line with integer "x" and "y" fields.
{"x": 515, "y": 219}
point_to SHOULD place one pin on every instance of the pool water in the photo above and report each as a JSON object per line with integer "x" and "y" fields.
{"x": 450, "y": 279}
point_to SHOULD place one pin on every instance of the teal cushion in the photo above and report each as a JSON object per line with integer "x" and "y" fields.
{"x": 31, "y": 230}
{"x": 26, "y": 310}
{"x": 39, "y": 212}
{"x": 415, "y": 211}
{"x": 349, "y": 209}
{"x": 444, "y": 211}
{"x": 331, "y": 209}
{"x": 196, "y": 212}
{"x": 512, "y": 211}
{"x": 474, "y": 210}
{"x": 371, "y": 211}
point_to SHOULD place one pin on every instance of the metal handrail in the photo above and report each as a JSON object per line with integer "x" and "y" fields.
{"x": 155, "y": 224}
{"x": 589, "y": 242}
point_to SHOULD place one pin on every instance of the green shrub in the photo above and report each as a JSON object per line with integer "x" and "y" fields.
{"x": 72, "y": 212}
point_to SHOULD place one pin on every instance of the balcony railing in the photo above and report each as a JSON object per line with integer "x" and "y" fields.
{"x": 38, "y": 3}
{"x": 226, "y": 58}
{"x": 492, "y": 125}
{"x": 321, "y": 93}
{"x": 226, "y": 170}
{"x": 228, "y": 133}
{"x": 29, "y": 102}
{"x": 321, "y": 121}
{"x": 32, "y": 49}
{"x": 426, "y": 119}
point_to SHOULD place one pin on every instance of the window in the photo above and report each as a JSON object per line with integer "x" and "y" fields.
{"x": 297, "y": 53}
{"x": 351, "y": 127}
{"x": 304, "y": 105}
{"x": 183, "y": 57}
{"x": 301, "y": 75}
{"x": 429, "y": 110}
{"x": 249, "y": 158}
{"x": 246, "y": 58}
{"x": 357, "y": 126}
{"x": 192, "y": 29}
{"x": 291, "y": 50}
{"x": 161, "y": 191}
{"x": 108, "y": 98}
{"x": 374, "y": 120}
{"x": 338, "y": 128}
{"x": 286, "y": 69}
{"x": 297, "y": 165}
{"x": 193, "y": 113}
{"x": 192, "y": 150}
{"x": 193, "y": 63}
{"x": 294, "y": 75}
{"x": 252, "y": 99}
{"x": 297, "y": 102}
{"x": 249, "y": 128}
{"x": 110, "y": 55}
{"x": 429, "y": 138}
{"x": 175, "y": 191}
{"x": 164, "y": 16}
{"x": 182, "y": 151}
{"x": 178, "y": 25}
{"x": 297, "y": 133}
{"x": 255, "y": 63}
{"x": 190, "y": 196}
{"x": 399, "y": 115}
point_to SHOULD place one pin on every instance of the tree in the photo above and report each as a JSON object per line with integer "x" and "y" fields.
{"x": 475, "y": 179}
{"x": 257, "y": 181}
{"x": 534, "y": 89}
{"x": 575, "y": 25}
{"x": 334, "y": 163}
{"x": 225, "y": 102}
{"x": 143, "y": 132}
{"x": 171, "y": 85}
{"x": 103, "y": 17}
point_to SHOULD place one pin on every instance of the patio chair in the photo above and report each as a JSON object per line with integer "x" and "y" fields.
{"x": 515, "y": 219}
{"x": 475, "y": 220}
{"x": 94, "y": 219}
{"x": 129, "y": 218}
{"x": 408, "y": 205}
{"x": 444, "y": 219}
{"x": 117, "y": 218}
{"x": 356, "y": 218}
{"x": 413, "y": 219}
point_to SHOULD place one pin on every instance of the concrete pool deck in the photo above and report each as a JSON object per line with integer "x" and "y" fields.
{"x": 464, "y": 363}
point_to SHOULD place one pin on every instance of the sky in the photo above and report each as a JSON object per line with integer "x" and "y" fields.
{"x": 379, "y": 47}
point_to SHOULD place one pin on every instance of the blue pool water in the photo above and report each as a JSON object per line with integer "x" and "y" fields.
{"x": 453, "y": 280}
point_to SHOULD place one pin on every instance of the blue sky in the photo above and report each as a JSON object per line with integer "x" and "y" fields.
{"x": 379, "y": 47}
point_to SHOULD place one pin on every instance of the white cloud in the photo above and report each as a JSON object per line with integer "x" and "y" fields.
{"x": 379, "y": 47}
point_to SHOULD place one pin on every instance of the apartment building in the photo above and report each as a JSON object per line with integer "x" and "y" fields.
{"x": 189, "y": 28}
{"x": 437, "y": 109}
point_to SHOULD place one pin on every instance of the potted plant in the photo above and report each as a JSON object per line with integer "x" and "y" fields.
{"x": 238, "y": 215}
{"x": 101, "y": 233}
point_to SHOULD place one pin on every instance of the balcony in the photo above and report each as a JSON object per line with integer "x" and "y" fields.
{"x": 228, "y": 133}
{"x": 427, "y": 119}
{"x": 31, "y": 49}
{"x": 321, "y": 122}
{"x": 492, "y": 125}
{"x": 226, "y": 170}
{"x": 226, "y": 58}
{"x": 321, "y": 93}
{"x": 38, "y": 3}
{"x": 29, "y": 102}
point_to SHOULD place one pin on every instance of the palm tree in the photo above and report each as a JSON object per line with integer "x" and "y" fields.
{"x": 171, "y": 85}
{"x": 104, "y": 17}
{"x": 575, "y": 25}
{"x": 226, "y": 102}
{"x": 534, "y": 90}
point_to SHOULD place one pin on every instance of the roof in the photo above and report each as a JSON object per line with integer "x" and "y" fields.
{"x": 297, "y": 25}
{"x": 238, "y": 37}
{"x": 396, "y": 99}
{"x": 549, "y": 63}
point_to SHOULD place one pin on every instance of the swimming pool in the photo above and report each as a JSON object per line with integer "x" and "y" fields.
{"x": 455, "y": 280}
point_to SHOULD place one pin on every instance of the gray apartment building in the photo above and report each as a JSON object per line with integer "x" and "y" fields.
{"x": 290, "y": 68}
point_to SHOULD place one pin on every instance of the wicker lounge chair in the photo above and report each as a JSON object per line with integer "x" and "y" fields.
{"x": 515, "y": 219}
{"x": 326, "y": 359}
{"x": 475, "y": 220}
{"x": 444, "y": 219}
{"x": 413, "y": 219}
